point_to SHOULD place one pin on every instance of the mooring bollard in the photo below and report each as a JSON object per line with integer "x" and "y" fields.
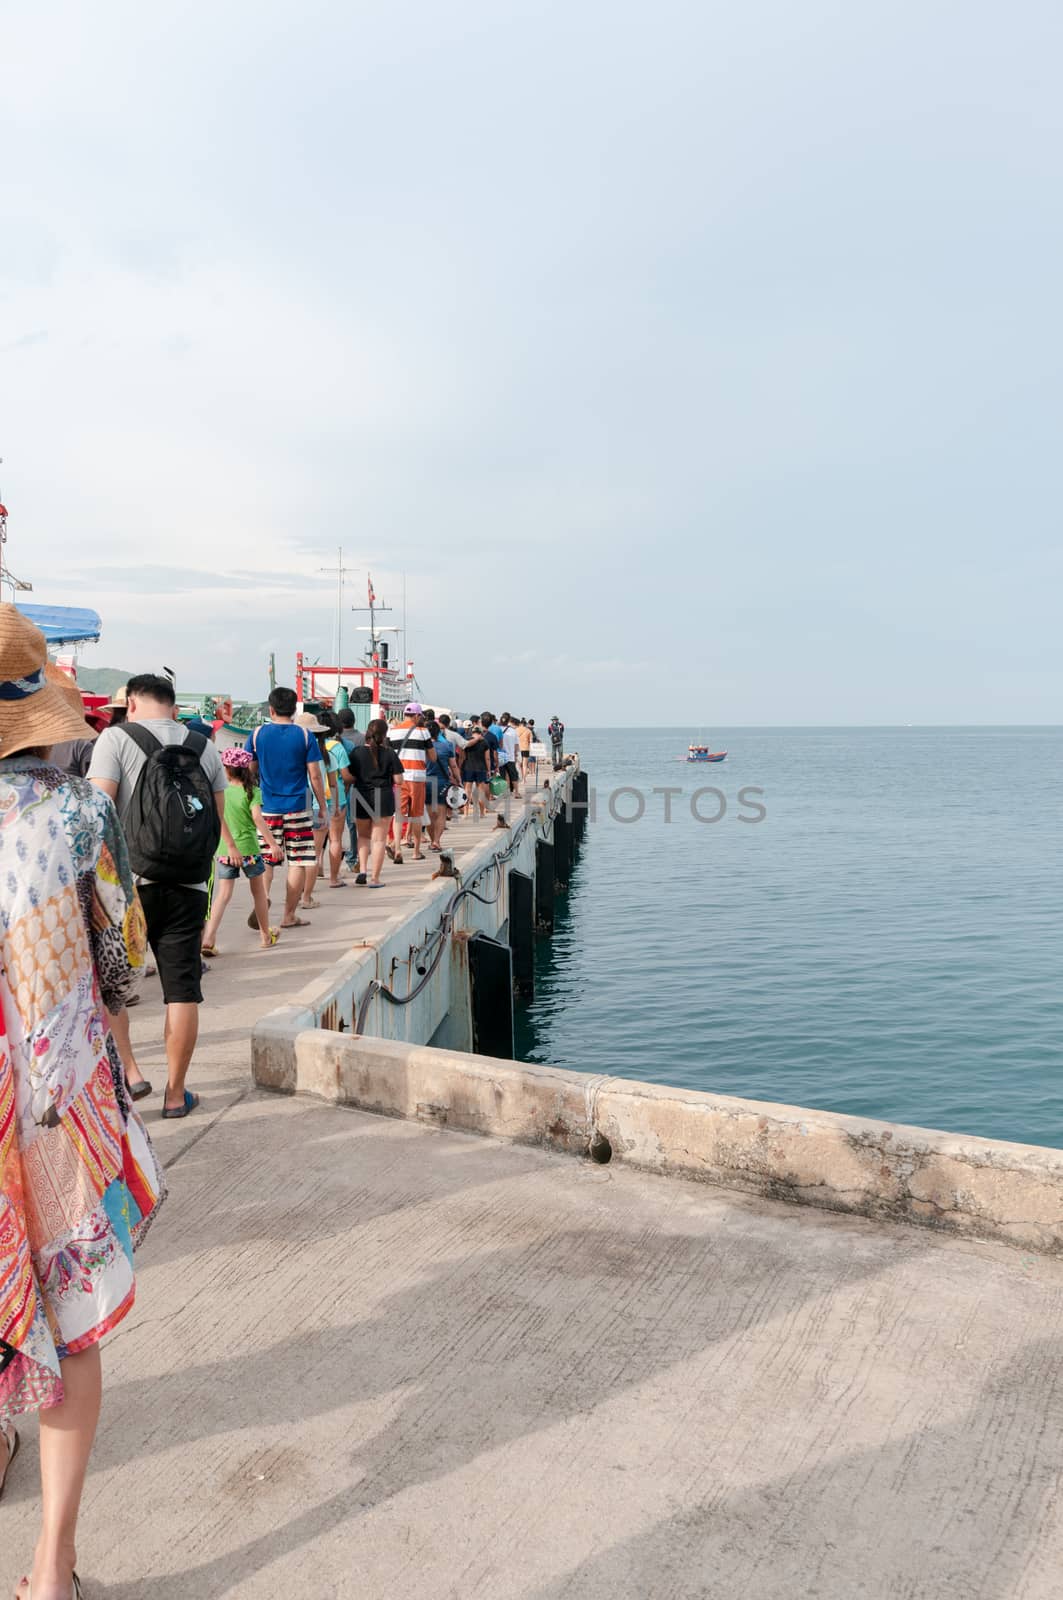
{"x": 522, "y": 933}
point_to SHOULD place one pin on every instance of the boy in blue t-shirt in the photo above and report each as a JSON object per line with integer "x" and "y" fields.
{"x": 288, "y": 761}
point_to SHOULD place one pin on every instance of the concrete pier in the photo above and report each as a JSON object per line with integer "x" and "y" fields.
{"x": 376, "y": 1357}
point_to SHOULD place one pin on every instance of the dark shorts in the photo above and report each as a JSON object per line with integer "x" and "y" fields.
{"x": 434, "y": 790}
{"x": 253, "y": 867}
{"x": 175, "y": 918}
{"x": 370, "y": 805}
{"x": 474, "y": 775}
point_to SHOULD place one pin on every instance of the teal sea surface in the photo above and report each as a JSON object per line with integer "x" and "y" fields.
{"x": 884, "y": 942}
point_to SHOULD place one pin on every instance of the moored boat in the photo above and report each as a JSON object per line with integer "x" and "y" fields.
{"x": 701, "y": 752}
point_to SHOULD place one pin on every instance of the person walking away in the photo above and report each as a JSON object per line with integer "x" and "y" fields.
{"x": 556, "y": 730}
{"x": 320, "y": 817}
{"x": 376, "y": 776}
{"x": 288, "y": 761}
{"x": 410, "y": 740}
{"x": 474, "y": 772}
{"x": 447, "y": 757}
{"x": 510, "y": 755}
{"x": 335, "y": 757}
{"x": 524, "y": 743}
{"x": 437, "y": 781}
{"x": 79, "y": 1182}
{"x": 350, "y": 737}
{"x": 243, "y": 813}
{"x": 169, "y": 787}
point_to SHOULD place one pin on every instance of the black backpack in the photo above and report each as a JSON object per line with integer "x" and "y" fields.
{"x": 172, "y": 826}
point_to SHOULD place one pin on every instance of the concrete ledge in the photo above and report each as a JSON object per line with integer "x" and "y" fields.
{"x": 983, "y": 1188}
{"x": 979, "y": 1188}
{"x": 477, "y": 1094}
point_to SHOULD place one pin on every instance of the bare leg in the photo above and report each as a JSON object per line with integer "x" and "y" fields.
{"x": 364, "y": 827}
{"x": 119, "y": 1025}
{"x": 258, "y": 895}
{"x": 223, "y": 893}
{"x": 379, "y": 839}
{"x": 415, "y": 837}
{"x": 314, "y": 867}
{"x": 180, "y": 1033}
{"x": 67, "y": 1433}
{"x": 335, "y": 846}
{"x": 293, "y": 893}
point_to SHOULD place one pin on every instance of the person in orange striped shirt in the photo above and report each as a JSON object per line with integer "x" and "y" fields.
{"x": 410, "y": 740}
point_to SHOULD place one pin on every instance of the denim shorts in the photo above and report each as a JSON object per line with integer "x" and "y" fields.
{"x": 253, "y": 867}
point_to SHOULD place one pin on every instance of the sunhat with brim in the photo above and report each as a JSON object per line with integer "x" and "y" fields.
{"x": 235, "y": 757}
{"x": 307, "y": 720}
{"x": 120, "y": 701}
{"x": 35, "y": 711}
{"x": 65, "y": 683}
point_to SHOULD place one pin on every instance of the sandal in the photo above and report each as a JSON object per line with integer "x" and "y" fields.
{"x": 310, "y": 905}
{"x": 138, "y": 1091}
{"x": 297, "y": 922}
{"x": 190, "y": 1103}
{"x": 209, "y": 949}
{"x": 10, "y": 1437}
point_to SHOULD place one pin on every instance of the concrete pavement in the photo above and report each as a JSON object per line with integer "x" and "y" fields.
{"x": 374, "y": 1359}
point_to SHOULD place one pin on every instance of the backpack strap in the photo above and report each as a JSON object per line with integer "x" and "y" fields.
{"x": 143, "y": 738}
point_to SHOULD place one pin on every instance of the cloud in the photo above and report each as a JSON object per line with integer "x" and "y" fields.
{"x": 26, "y": 342}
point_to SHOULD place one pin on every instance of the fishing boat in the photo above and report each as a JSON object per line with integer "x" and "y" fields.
{"x": 701, "y": 752}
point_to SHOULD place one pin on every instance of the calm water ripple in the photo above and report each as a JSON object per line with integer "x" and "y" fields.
{"x": 884, "y": 943}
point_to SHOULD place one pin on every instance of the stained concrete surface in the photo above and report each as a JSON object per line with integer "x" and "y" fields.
{"x": 374, "y": 1359}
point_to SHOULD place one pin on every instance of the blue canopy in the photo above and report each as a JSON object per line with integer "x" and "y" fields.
{"x": 63, "y": 624}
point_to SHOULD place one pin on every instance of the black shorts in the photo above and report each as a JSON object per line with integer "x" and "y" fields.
{"x": 372, "y": 805}
{"x": 175, "y": 918}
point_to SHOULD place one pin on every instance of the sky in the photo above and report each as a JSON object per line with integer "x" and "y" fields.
{"x": 696, "y": 363}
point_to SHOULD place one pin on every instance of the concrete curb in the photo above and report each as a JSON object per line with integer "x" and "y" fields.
{"x": 977, "y": 1188}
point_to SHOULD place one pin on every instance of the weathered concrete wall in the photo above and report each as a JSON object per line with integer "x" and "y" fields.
{"x": 983, "y": 1188}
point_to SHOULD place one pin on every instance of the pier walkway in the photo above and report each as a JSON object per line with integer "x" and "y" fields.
{"x": 373, "y": 1359}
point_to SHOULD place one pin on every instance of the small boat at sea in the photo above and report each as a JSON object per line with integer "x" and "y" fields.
{"x": 701, "y": 752}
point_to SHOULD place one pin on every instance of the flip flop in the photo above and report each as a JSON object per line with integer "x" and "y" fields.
{"x": 139, "y": 1091}
{"x": 340, "y": 885}
{"x": 12, "y": 1441}
{"x": 361, "y": 880}
{"x": 210, "y": 949}
{"x": 191, "y": 1101}
{"x": 310, "y": 905}
{"x": 376, "y": 885}
{"x": 300, "y": 922}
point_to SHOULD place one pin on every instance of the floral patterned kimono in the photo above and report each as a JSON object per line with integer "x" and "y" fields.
{"x": 79, "y": 1182}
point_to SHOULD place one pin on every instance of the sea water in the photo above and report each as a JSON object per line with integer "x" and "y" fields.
{"x": 883, "y": 941}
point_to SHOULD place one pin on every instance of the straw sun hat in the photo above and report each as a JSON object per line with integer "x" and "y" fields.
{"x": 35, "y": 709}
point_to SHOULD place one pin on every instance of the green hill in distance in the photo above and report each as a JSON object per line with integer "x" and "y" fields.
{"x": 101, "y": 680}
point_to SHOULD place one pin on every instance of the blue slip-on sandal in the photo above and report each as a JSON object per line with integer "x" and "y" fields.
{"x": 191, "y": 1101}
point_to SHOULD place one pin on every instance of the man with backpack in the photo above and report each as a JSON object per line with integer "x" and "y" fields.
{"x": 169, "y": 785}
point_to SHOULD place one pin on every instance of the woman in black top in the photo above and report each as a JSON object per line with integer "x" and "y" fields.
{"x": 375, "y": 774}
{"x": 474, "y": 769}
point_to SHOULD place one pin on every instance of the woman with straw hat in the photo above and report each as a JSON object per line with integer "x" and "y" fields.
{"x": 79, "y": 1183}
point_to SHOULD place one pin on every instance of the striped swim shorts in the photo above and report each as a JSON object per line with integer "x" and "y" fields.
{"x": 293, "y": 834}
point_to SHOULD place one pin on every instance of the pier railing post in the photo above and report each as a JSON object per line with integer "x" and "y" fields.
{"x": 562, "y": 850}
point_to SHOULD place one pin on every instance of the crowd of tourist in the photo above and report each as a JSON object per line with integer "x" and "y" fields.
{"x": 124, "y": 838}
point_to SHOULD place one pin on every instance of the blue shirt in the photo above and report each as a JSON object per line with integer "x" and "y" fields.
{"x": 445, "y": 752}
{"x": 284, "y": 753}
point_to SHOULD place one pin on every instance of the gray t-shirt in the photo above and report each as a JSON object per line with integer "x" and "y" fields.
{"x": 117, "y": 758}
